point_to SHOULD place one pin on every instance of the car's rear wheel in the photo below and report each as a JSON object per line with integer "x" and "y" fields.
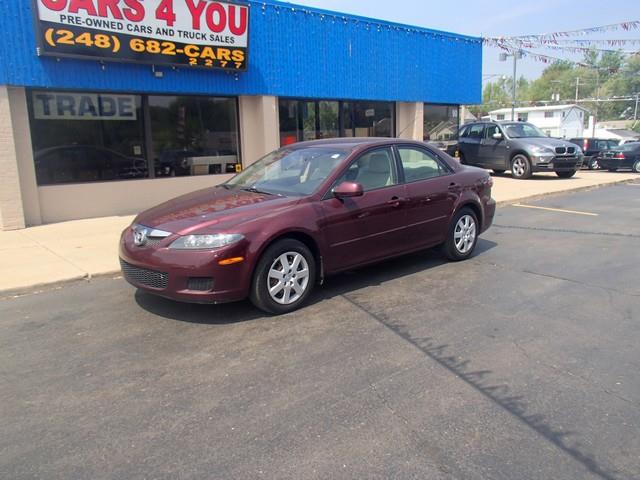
{"x": 566, "y": 174}
{"x": 593, "y": 163}
{"x": 636, "y": 166}
{"x": 462, "y": 236}
{"x": 499, "y": 171}
{"x": 520, "y": 167}
{"x": 284, "y": 277}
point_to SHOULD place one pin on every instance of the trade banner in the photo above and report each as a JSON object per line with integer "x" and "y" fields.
{"x": 197, "y": 33}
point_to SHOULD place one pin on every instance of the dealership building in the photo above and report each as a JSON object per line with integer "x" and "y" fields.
{"x": 108, "y": 107}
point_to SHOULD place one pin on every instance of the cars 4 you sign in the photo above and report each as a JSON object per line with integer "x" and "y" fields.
{"x": 198, "y": 33}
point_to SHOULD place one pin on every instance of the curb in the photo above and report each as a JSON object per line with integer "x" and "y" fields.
{"x": 38, "y": 288}
{"x": 45, "y": 287}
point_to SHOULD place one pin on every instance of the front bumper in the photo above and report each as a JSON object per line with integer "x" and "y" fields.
{"x": 187, "y": 276}
{"x": 489, "y": 214}
{"x": 557, "y": 163}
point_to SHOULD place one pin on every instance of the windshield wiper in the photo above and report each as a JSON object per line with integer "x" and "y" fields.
{"x": 253, "y": 189}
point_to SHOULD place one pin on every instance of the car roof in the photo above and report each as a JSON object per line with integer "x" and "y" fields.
{"x": 352, "y": 142}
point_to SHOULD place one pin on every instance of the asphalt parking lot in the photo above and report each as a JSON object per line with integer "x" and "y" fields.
{"x": 521, "y": 363}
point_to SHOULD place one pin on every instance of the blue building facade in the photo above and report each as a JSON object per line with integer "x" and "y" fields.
{"x": 310, "y": 73}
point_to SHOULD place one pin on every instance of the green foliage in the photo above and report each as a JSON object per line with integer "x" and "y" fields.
{"x": 606, "y": 75}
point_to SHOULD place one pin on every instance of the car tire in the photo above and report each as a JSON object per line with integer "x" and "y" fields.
{"x": 520, "y": 167}
{"x": 457, "y": 246}
{"x": 462, "y": 160}
{"x": 566, "y": 174}
{"x": 264, "y": 292}
{"x": 498, "y": 171}
{"x": 593, "y": 164}
{"x": 636, "y": 166}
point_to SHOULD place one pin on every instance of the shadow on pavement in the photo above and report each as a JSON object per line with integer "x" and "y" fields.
{"x": 498, "y": 393}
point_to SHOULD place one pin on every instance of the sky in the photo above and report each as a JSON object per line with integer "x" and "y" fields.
{"x": 499, "y": 18}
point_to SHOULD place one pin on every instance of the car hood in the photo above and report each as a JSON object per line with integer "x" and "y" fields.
{"x": 546, "y": 142}
{"x": 214, "y": 207}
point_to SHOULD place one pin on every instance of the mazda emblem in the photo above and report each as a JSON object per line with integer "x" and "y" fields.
{"x": 140, "y": 237}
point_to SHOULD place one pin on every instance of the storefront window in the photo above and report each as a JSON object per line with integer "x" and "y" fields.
{"x": 193, "y": 135}
{"x": 441, "y": 123}
{"x": 302, "y": 120}
{"x": 84, "y": 137}
{"x": 368, "y": 119}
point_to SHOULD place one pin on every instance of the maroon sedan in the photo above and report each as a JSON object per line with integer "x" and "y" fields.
{"x": 304, "y": 212}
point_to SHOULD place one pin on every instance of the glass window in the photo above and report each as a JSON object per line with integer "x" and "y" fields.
{"x": 491, "y": 130}
{"x": 84, "y": 137}
{"x": 441, "y": 123}
{"x": 368, "y": 119}
{"x": 419, "y": 164}
{"x": 475, "y": 131}
{"x": 302, "y": 120}
{"x": 88, "y": 137}
{"x": 290, "y": 171}
{"x": 373, "y": 170}
{"x": 500, "y": 116}
{"x": 548, "y": 114}
{"x": 194, "y": 135}
{"x": 523, "y": 117}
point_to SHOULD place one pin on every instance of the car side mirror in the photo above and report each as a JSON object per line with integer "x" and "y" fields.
{"x": 348, "y": 190}
{"x": 497, "y": 136}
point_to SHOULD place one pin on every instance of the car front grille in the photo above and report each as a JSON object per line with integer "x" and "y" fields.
{"x": 152, "y": 242}
{"x": 565, "y": 150}
{"x": 144, "y": 276}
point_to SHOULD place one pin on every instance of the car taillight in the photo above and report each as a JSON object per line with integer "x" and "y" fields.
{"x": 619, "y": 156}
{"x": 586, "y": 145}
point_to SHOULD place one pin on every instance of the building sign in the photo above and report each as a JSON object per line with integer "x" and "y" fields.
{"x": 199, "y": 33}
{"x": 83, "y": 106}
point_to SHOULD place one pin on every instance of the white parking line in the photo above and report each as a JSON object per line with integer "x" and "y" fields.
{"x": 557, "y": 210}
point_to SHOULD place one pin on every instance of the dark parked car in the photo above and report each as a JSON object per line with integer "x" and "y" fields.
{"x": 517, "y": 146}
{"x": 623, "y": 157}
{"x": 591, "y": 148}
{"x": 304, "y": 212}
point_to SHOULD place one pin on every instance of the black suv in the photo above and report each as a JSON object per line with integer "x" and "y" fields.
{"x": 517, "y": 146}
{"x": 592, "y": 148}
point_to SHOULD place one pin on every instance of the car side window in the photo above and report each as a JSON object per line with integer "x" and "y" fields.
{"x": 491, "y": 130}
{"x": 419, "y": 164}
{"x": 476, "y": 131}
{"x": 372, "y": 170}
{"x": 464, "y": 133}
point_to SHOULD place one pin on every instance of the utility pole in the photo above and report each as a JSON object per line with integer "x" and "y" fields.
{"x": 516, "y": 54}
{"x": 595, "y": 120}
{"x": 513, "y": 93}
{"x": 577, "y": 88}
{"x": 635, "y": 112}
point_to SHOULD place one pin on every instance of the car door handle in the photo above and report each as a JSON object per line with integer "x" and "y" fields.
{"x": 396, "y": 202}
{"x": 454, "y": 187}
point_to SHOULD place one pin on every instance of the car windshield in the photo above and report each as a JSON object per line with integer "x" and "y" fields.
{"x": 290, "y": 171}
{"x": 522, "y": 130}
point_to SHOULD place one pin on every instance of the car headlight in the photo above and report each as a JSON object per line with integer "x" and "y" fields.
{"x": 204, "y": 242}
{"x": 540, "y": 150}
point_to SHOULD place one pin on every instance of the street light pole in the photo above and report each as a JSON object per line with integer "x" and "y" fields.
{"x": 513, "y": 93}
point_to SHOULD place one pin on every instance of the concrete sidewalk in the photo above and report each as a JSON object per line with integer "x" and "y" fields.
{"x": 82, "y": 249}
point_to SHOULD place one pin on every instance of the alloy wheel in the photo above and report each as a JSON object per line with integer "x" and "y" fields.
{"x": 465, "y": 234}
{"x": 288, "y": 278}
{"x": 519, "y": 167}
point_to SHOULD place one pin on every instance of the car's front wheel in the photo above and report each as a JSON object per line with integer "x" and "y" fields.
{"x": 284, "y": 277}
{"x": 566, "y": 174}
{"x": 520, "y": 167}
{"x": 462, "y": 236}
